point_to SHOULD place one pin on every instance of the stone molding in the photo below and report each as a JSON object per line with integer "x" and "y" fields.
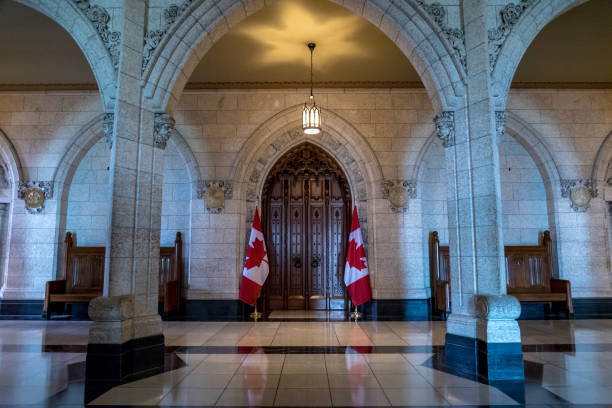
{"x": 45, "y": 189}
{"x": 100, "y": 19}
{"x": 500, "y": 124}
{"x": 214, "y": 193}
{"x": 454, "y": 36}
{"x": 153, "y": 38}
{"x": 610, "y": 208}
{"x": 108, "y": 124}
{"x": 399, "y": 193}
{"x": 111, "y": 308}
{"x": 510, "y": 15}
{"x": 580, "y": 192}
{"x": 497, "y": 307}
{"x": 445, "y": 127}
{"x": 162, "y": 129}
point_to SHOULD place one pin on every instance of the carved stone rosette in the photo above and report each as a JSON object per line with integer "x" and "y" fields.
{"x": 107, "y": 125}
{"x": 509, "y": 15}
{"x": 100, "y": 19}
{"x": 445, "y": 127}
{"x": 214, "y": 193}
{"x": 34, "y": 193}
{"x": 580, "y": 192}
{"x": 162, "y": 129}
{"x": 399, "y": 193}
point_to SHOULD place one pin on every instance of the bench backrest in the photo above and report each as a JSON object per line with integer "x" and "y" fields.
{"x": 171, "y": 263}
{"x": 528, "y": 268}
{"x": 83, "y": 267}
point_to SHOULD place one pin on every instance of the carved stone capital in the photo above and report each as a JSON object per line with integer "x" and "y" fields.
{"x": 580, "y": 192}
{"x": 399, "y": 193}
{"x": 34, "y": 193}
{"x": 494, "y": 307}
{"x": 500, "y": 124}
{"x": 509, "y": 16}
{"x": 100, "y": 19}
{"x": 162, "y": 129}
{"x": 214, "y": 193}
{"x": 445, "y": 127}
{"x": 107, "y": 125}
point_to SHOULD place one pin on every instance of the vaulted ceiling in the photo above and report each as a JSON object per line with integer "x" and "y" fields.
{"x": 269, "y": 47}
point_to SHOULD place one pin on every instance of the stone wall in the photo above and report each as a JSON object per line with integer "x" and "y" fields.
{"x": 387, "y": 129}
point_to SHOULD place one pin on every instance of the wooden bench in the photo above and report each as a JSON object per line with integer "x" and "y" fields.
{"x": 529, "y": 275}
{"x": 83, "y": 276}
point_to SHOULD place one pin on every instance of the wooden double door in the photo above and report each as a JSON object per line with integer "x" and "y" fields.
{"x": 306, "y": 210}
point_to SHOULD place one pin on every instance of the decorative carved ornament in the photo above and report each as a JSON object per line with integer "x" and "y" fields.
{"x": 492, "y": 307}
{"x": 34, "y": 193}
{"x": 510, "y": 15}
{"x": 500, "y": 124}
{"x": 445, "y": 127}
{"x": 399, "y": 192}
{"x": 580, "y": 192}
{"x": 153, "y": 38}
{"x": 455, "y": 36}
{"x": 214, "y": 193}
{"x": 100, "y": 19}
{"x": 162, "y": 128}
{"x": 107, "y": 125}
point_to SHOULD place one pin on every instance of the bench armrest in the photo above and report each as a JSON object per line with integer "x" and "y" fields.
{"x": 443, "y": 296}
{"x": 51, "y": 288}
{"x": 172, "y": 295}
{"x": 563, "y": 286}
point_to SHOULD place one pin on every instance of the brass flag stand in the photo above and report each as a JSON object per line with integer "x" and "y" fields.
{"x": 355, "y": 315}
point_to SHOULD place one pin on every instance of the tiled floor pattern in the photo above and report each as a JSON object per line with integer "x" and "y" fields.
{"x": 29, "y": 376}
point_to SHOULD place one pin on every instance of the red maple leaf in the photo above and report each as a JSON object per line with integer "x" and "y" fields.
{"x": 355, "y": 256}
{"x": 255, "y": 254}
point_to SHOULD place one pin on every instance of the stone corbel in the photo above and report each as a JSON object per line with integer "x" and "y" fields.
{"x": 108, "y": 124}
{"x": 34, "y": 193}
{"x": 162, "y": 129}
{"x": 214, "y": 193}
{"x": 445, "y": 127}
{"x": 497, "y": 316}
{"x": 399, "y": 193}
{"x": 580, "y": 192}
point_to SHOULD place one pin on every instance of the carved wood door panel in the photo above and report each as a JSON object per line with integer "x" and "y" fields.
{"x": 306, "y": 214}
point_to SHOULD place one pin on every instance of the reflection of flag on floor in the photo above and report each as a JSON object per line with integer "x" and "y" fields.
{"x": 256, "y": 267}
{"x": 356, "y": 275}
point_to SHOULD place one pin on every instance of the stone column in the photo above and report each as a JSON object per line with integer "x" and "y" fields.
{"x": 125, "y": 340}
{"x": 483, "y": 337}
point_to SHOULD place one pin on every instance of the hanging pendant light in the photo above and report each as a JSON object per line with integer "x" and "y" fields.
{"x": 311, "y": 115}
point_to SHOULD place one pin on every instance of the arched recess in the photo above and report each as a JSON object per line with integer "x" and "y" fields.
{"x": 66, "y": 14}
{"x": 88, "y": 136}
{"x": 530, "y": 140}
{"x": 9, "y": 182}
{"x": 522, "y": 34}
{"x": 203, "y": 23}
{"x": 279, "y": 134}
{"x": 602, "y": 163}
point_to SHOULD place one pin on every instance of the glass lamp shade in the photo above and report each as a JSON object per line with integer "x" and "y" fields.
{"x": 311, "y": 119}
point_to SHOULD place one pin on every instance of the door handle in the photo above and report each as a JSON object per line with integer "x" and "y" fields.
{"x": 316, "y": 261}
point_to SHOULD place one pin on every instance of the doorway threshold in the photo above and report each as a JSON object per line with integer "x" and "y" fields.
{"x": 307, "y": 315}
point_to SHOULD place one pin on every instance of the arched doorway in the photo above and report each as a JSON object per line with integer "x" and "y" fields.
{"x": 306, "y": 215}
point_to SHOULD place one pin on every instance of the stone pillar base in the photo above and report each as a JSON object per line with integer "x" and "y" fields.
{"x": 121, "y": 348}
{"x": 486, "y": 347}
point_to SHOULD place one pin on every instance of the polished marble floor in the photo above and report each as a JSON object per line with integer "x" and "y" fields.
{"x": 307, "y": 363}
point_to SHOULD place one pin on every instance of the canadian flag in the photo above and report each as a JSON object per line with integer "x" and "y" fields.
{"x": 356, "y": 277}
{"x": 256, "y": 266}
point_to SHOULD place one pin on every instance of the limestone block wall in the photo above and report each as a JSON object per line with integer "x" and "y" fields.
{"x": 40, "y": 126}
{"x": 89, "y": 198}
